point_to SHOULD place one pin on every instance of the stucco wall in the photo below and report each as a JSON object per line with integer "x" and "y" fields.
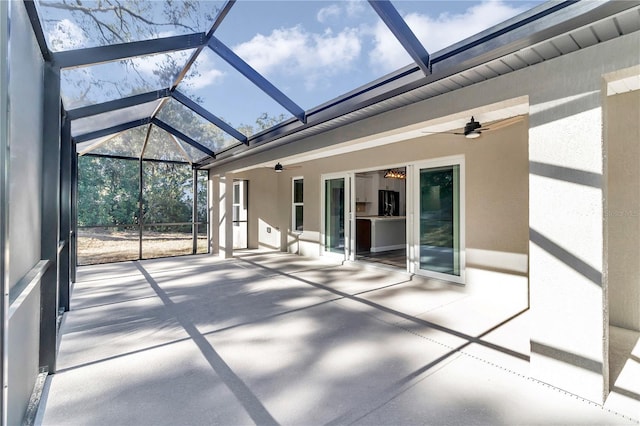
{"x": 570, "y": 322}
{"x": 623, "y": 209}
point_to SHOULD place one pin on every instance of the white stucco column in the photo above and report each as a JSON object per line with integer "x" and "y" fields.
{"x": 225, "y": 216}
{"x": 568, "y": 323}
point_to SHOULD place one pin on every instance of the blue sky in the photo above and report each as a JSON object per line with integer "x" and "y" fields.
{"x": 315, "y": 51}
{"x": 312, "y": 51}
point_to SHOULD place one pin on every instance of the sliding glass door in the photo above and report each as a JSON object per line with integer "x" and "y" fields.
{"x": 336, "y": 212}
{"x": 439, "y": 220}
{"x": 334, "y": 237}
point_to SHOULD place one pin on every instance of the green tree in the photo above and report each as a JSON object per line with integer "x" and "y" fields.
{"x": 107, "y": 191}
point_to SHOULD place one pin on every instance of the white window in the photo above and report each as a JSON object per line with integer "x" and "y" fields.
{"x": 297, "y": 213}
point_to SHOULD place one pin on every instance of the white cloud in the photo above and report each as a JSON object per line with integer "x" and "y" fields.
{"x": 355, "y": 8}
{"x": 348, "y": 9}
{"x": 437, "y": 33}
{"x": 294, "y": 51}
{"x": 66, "y": 36}
{"x": 328, "y": 12}
{"x": 206, "y": 75}
{"x": 206, "y": 78}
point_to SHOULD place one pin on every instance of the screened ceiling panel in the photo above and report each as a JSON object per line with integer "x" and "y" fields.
{"x": 313, "y": 51}
{"x": 161, "y": 146}
{"x": 75, "y": 24}
{"x": 194, "y": 126}
{"x": 85, "y": 146}
{"x": 114, "y": 80}
{"x": 126, "y": 144}
{"x": 195, "y": 155}
{"x": 113, "y": 118}
{"x": 226, "y": 93}
{"x": 439, "y": 24}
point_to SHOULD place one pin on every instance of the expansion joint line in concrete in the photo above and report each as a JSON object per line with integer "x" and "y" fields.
{"x": 460, "y": 350}
{"x": 547, "y": 385}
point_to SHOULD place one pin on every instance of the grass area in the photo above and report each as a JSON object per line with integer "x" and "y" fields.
{"x": 106, "y": 246}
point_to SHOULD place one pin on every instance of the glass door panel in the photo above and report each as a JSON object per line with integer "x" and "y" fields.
{"x": 240, "y": 214}
{"x": 439, "y": 217}
{"x": 334, "y": 235}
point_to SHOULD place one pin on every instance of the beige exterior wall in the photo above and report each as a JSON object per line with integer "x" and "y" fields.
{"x": 496, "y": 197}
{"x": 496, "y": 194}
{"x": 622, "y": 213}
{"x": 569, "y": 317}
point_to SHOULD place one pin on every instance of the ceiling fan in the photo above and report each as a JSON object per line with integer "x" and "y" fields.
{"x": 473, "y": 129}
{"x": 279, "y": 168}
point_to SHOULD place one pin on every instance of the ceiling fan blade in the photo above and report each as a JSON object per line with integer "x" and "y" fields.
{"x": 506, "y": 122}
{"x": 441, "y": 133}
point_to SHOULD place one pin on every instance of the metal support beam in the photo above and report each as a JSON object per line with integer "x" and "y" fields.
{"x": 193, "y": 106}
{"x": 141, "y": 202}
{"x": 209, "y": 209}
{"x": 50, "y": 217}
{"x": 130, "y": 101}
{"x": 74, "y": 214}
{"x": 183, "y": 137}
{"x": 32, "y": 11}
{"x": 140, "y": 190}
{"x": 256, "y": 78}
{"x": 216, "y": 23}
{"x": 5, "y": 19}
{"x": 111, "y": 130}
{"x": 194, "y": 212}
{"x": 116, "y": 52}
{"x": 403, "y": 33}
{"x": 64, "y": 255}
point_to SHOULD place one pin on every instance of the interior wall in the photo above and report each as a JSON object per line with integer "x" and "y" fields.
{"x": 622, "y": 214}
{"x": 25, "y": 127}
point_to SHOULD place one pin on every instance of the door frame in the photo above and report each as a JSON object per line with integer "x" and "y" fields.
{"x": 243, "y": 206}
{"x": 413, "y": 234}
{"x": 349, "y": 218}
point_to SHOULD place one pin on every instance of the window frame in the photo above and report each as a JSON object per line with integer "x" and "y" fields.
{"x": 295, "y": 204}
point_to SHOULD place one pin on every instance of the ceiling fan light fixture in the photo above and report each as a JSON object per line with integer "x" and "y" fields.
{"x": 471, "y": 129}
{"x": 278, "y": 168}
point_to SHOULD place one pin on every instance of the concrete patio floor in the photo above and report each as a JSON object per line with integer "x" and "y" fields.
{"x": 272, "y": 338}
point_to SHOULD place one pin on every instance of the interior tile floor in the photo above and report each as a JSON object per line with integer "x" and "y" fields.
{"x": 272, "y": 338}
{"x": 395, "y": 258}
